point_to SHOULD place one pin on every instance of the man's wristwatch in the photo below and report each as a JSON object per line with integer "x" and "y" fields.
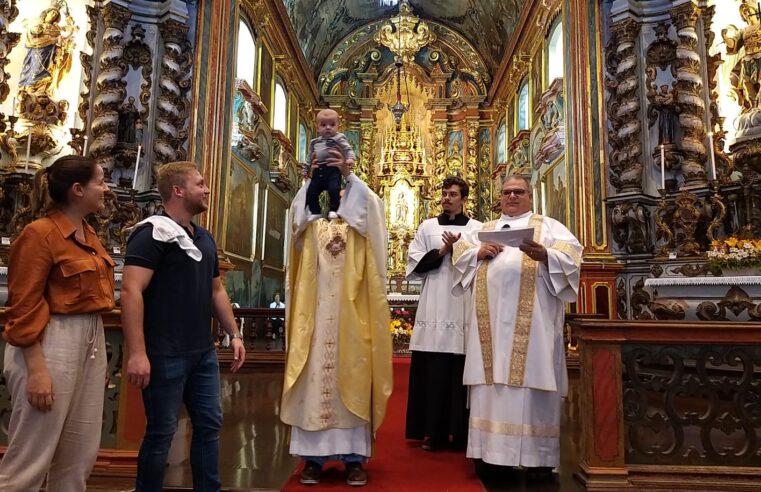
{"x": 238, "y": 336}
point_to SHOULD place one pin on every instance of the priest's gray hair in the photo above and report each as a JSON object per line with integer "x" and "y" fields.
{"x": 519, "y": 177}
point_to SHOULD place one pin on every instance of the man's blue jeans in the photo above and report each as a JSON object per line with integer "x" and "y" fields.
{"x": 194, "y": 380}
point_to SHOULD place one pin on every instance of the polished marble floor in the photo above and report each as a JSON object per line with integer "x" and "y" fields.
{"x": 255, "y": 453}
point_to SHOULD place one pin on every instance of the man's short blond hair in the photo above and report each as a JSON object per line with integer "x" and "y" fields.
{"x": 173, "y": 174}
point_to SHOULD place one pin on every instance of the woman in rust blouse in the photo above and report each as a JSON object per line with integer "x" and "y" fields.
{"x": 60, "y": 279}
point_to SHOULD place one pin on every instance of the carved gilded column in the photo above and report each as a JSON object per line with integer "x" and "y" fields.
{"x": 8, "y": 41}
{"x": 471, "y": 169}
{"x": 172, "y": 105}
{"x": 110, "y": 85}
{"x": 689, "y": 94}
{"x": 484, "y": 175}
{"x": 366, "y": 166}
{"x": 624, "y": 109}
{"x": 439, "y": 164}
{"x": 77, "y": 135}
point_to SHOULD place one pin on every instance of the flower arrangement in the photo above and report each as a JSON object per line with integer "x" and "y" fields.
{"x": 401, "y": 332}
{"x": 735, "y": 253}
{"x": 400, "y": 326}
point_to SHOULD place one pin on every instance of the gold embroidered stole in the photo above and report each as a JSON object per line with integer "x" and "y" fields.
{"x": 524, "y": 316}
{"x": 483, "y": 315}
{"x": 525, "y": 313}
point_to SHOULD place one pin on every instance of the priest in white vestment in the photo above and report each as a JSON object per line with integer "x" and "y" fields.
{"x": 338, "y": 374}
{"x": 515, "y": 355}
{"x": 437, "y": 399}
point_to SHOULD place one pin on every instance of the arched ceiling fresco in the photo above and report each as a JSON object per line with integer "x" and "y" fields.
{"x": 321, "y": 24}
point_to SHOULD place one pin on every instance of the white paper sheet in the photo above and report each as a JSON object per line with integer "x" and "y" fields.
{"x": 507, "y": 237}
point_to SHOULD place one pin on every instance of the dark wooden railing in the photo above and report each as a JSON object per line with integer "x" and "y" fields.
{"x": 670, "y": 405}
{"x": 263, "y": 332}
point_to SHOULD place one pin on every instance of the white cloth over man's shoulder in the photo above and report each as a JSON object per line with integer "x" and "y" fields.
{"x": 166, "y": 230}
{"x": 440, "y": 317}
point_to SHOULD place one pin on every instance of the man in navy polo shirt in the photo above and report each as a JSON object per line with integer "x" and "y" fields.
{"x": 170, "y": 291}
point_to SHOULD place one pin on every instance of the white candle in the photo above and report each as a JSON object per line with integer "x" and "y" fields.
{"x": 713, "y": 155}
{"x": 28, "y": 146}
{"x": 663, "y": 167}
{"x": 84, "y": 148}
{"x": 13, "y": 107}
{"x": 137, "y": 166}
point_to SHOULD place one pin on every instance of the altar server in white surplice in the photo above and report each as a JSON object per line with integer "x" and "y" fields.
{"x": 436, "y": 407}
{"x": 515, "y": 357}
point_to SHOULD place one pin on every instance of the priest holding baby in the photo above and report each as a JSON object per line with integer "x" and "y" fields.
{"x": 514, "y": 350}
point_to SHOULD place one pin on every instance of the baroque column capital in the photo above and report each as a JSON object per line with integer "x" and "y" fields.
{"x": 174, "y": 31}
{"x": 626, "y": 30}
{"x": 115, "y": 16}
{"x": 685, "y": 15}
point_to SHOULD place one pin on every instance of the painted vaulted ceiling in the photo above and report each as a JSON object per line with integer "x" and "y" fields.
{"x": 321, "y": 24}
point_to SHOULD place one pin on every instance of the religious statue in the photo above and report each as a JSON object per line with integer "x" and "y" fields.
{"x": 49, "y": 51}
{"x": 139, "y": 131}
{"x": 663, "y": 101}
{"x": 128, "y": 118}
{"x": 10, "y": 144}
{"x": 746, "y": 76}
{"x": 401, "y": 211}
{"x": 455, "y": 158}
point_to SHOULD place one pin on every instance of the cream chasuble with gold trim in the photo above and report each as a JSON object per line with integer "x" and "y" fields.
{"x": 338, "y": 374}
{"x": 514, "y": 355}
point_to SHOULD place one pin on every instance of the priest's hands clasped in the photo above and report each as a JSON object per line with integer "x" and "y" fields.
{"x": 532, "y": 249}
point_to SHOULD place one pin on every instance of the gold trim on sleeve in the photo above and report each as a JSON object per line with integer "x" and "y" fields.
{"x": 568, "y": 249}
{"x": 460, "y": 247}
{"x": 525, "y": 315}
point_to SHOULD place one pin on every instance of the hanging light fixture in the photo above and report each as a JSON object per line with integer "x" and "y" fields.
{"x": 399, "y": 108}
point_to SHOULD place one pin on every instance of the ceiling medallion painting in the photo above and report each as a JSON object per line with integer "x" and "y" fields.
{"x": 401, "y": 36}
{"x": 320, "y": 25}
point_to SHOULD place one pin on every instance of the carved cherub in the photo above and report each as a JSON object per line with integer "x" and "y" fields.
{"x": 10, "y": 144}
{"x": 129, "y": 215}
{"x": 105, "y": 218}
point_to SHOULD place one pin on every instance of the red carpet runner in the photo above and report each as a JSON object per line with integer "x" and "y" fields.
{"x": 400, "y": 465}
